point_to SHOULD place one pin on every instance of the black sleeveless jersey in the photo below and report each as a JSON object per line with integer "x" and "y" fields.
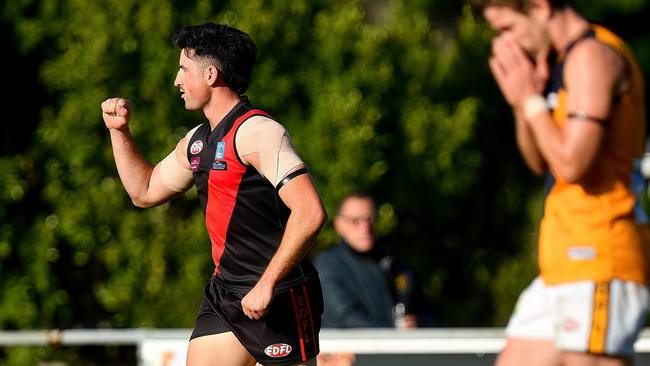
{"x": 244, "y": 214}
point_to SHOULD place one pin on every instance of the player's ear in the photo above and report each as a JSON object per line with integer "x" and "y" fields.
{"x": 211, "y": 74}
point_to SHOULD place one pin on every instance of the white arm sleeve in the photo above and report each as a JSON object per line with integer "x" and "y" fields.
{"x": 269, "y": 139}
{"x": 173, "y": 174}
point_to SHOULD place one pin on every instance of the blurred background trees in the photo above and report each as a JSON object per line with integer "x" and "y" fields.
{"x": 389, "y": 96}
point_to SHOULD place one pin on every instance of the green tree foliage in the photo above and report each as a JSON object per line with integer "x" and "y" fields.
{"x": 389, "y": 96}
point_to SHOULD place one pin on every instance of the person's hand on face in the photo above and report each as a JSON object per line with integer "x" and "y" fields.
{"x": 517, "y": 76}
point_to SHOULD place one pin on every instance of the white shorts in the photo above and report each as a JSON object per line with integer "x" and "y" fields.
{"x": 585, "y": 316}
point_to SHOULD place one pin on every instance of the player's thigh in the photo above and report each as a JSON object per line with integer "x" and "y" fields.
{"x": 529, "y": 352}
{"x": 530, "y": 333}
{"x": 587, "y": 359}
{"x": 336, "y": 359}
{"x": 221, "y": 349}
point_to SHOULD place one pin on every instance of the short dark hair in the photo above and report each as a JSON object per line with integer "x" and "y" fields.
{"x": 520, "y": 5}
{"x": 231, "y": 50}
{"x": 359, "y": 195}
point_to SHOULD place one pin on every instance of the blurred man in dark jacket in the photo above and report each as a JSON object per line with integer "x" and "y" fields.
{"x": 363, "y": 285}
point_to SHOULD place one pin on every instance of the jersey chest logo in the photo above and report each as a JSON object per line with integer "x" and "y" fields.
{"x": 221, "y": 150}
{"x": 219, "y": 165}
{"x": 195, "y": 161}
{"x": 196, "y": 147}
{"x": 219, "y": 154}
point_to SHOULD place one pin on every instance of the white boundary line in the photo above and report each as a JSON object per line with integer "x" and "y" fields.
{"x": 361, "y": 341}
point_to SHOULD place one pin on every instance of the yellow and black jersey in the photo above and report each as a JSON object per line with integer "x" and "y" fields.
{"x": 588, "y": 231}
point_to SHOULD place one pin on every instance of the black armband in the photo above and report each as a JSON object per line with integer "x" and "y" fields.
{"x": 290, "y": 176}
{"x": 585, "y": 117}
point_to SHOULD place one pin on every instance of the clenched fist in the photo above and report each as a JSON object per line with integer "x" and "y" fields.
{"x": 255, "y": 304}
{"x": 116, "y": 112}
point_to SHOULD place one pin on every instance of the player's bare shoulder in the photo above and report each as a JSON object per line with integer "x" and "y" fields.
{"x": 595, "y": 60}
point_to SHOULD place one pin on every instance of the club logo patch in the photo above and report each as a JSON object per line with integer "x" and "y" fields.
{"x": 219, "y": 165}
{"x": 221, "y": 149}
{"x": 581, "y": 253}
{"x": 278, "y": 350}
{"x": 194, "y": 163}
{"x": 196, "y": 147}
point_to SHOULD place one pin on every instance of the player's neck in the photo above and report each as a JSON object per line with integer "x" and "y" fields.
{"x": 565, "y": 27}
{"x": 219, "y": 105}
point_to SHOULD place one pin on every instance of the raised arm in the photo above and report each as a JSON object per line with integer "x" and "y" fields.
{"x": 146, "y": 184}
{"x": 508, "y": 64}
{"x": 528, "y": 146}
{"x": 593, "y": 72}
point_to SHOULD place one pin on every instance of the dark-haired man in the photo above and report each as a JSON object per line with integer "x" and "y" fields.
{"x": 583, "y": 120}
{"x": 262, "y": 210}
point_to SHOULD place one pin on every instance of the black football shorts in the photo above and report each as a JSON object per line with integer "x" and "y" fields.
{"x": 287, "y": 335}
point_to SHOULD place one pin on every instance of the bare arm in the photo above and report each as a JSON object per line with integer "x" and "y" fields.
{"x": 264, "y": 144}
{"x": 142, "y": 180}
{"x": 592, "y": 73}
{"x": 306, "y": 218}
{"x": 508, "y": 64}
{"x": 528, "y": 147}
